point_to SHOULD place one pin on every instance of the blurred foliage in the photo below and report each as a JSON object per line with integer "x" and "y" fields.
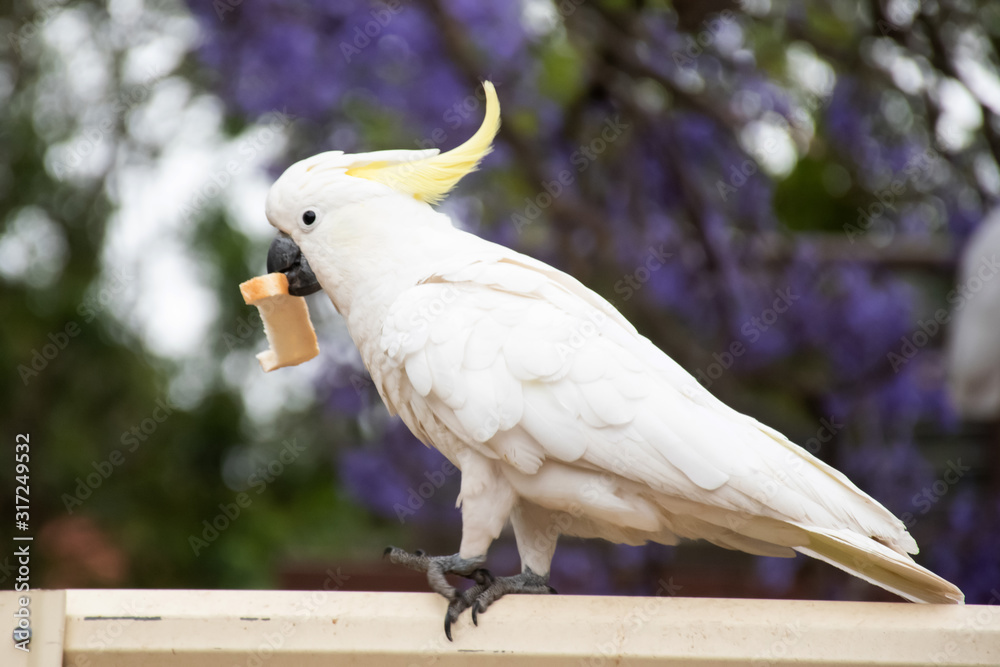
{"x": 121, "y": 476}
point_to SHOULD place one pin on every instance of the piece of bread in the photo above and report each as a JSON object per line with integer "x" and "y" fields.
{"x": 290, "y": 334}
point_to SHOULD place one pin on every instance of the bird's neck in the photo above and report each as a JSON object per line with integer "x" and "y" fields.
{"x": 386, "y": 257}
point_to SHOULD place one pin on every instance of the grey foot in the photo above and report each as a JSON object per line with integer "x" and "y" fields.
{"x": 437, "y": 567}
{"x": 485, "y": 593}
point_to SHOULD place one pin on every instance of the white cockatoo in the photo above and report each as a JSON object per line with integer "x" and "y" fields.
{"x": 562, "y": 418}
{"x": 973, "y": 346}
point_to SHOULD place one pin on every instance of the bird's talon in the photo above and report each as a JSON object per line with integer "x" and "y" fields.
{"x": 486, "y": 590}
{"x": 456, "y": 606}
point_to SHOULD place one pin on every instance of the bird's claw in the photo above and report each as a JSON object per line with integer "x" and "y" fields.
{"x": 455, "y": 609}
{"x": 437, "y": 567}
{"x": 486, "y": 589}
{"x": 482, "y": 576}
{"x": 482, "y": 595}
{"x": 475, "y": 614}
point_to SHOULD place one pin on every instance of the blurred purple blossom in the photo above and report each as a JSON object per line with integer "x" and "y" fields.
{"x": 777, "y": 575}
{"x": 399, "y": 478}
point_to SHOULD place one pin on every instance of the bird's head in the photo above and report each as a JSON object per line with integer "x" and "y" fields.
{"x": 317, "y": 204}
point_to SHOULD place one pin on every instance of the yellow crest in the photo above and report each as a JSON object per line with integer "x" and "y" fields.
{"x": 430, "y": 179}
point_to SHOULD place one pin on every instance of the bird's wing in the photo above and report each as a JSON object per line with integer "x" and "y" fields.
{"x": 525, "y": 365}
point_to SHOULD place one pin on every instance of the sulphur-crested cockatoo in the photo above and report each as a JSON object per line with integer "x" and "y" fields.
{"x": 562, "y": 418}
{"x": 973, "y": 345}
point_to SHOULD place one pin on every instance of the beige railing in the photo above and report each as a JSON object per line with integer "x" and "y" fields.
{"x": 99, "y": 628}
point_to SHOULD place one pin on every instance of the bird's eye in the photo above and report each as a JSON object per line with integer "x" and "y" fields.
{"x": 308, "y": 217}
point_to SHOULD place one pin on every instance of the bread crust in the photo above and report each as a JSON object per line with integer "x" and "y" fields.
{"x": 261, "y": 287}
{"x": 290, "y": 334}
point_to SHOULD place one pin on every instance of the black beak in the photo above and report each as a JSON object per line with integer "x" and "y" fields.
{"x": 285, "y": 257}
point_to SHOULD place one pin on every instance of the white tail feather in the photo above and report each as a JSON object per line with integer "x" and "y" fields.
{"x": 878, "y": 564}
